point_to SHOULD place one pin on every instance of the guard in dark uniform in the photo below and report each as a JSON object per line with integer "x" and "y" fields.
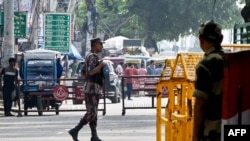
{"x": 10, "y": 76}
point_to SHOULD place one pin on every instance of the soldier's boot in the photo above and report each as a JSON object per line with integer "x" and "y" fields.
{"x": 94, "y": 135}
{"x": 74, "y": 131}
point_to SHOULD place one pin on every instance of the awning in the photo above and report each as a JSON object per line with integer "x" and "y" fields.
{"x": 74, "y": 53}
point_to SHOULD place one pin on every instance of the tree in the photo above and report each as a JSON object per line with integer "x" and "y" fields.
{"x": 168, "y": 19}
{"x": 105, "y": 11}
{"x": 81, "y": 19}
{"x": 152, "y": 20}
{"x": 113, "y": 16}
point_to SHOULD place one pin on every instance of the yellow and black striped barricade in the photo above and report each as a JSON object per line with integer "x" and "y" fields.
{"x": 180, "y": 85}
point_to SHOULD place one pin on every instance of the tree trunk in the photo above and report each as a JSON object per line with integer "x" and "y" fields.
{"x": 149, "y": 42}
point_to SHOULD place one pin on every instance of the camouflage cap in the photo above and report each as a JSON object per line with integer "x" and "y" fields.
{"x": 95, "y": 40}
{"x": 211, "y": 31}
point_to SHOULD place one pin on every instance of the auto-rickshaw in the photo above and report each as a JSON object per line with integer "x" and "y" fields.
{"x": 134, "y": 59}
{"x": 38, "y": 70}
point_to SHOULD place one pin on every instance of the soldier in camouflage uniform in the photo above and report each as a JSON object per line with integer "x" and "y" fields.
{"x": 92, "y": 90}
{"x": 209, "y": 85}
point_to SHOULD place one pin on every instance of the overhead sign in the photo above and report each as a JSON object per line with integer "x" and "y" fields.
{"x": 20, "y": 24}
{"x": 131, "y": 46}
{"x": 57, "y": 32}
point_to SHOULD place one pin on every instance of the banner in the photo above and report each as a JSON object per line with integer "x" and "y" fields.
{"x": 236, "y": 91}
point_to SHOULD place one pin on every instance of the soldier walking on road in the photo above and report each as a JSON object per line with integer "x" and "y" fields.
{"x": 92, "y": 90}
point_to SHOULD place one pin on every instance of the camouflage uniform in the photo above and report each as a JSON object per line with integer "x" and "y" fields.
{"x": 92, "y": 91}
{"x": 208, "y": 86}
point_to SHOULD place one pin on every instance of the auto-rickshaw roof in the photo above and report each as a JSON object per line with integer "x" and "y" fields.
{"x": 132, "y": 60}
{"x": 41, "y": 54}
{"x": 136, "y": 57}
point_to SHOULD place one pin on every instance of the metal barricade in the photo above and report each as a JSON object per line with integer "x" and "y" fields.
{"x": 143, "y": 92}
{"x": 178, "y": 118}
{"x": 54, "y": 98}
{"x": 179, "y": 86}
{"x": 144, "y": 87}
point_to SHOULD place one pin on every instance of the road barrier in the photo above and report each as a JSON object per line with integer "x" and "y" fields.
{"x": 178, "y": 116}
{"x": 144, "y": 86}
{"x": 49, "y": 98}
{"x": 179, "y": 86}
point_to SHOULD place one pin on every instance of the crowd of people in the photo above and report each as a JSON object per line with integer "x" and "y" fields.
{"x": 129, "y": 70}
{"x": 152, "y": 68}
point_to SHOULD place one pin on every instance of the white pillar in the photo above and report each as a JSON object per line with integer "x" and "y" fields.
{"x": 8, "y": 42}
{"x": 35, "y": 25}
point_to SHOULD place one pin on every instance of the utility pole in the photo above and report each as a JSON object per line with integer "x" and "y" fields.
{"x": 8, "y": 42}
{"x": 90, "y": 32}
{"x": 35, "y": 16}
{"x": 92, "y": 15}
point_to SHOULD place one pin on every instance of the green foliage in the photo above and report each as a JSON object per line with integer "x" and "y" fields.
{"x": 167, "y": 19}
{"x": 113, "y": 16}
{"x": 160, "y": 19}
{"x": 81, "y": 14}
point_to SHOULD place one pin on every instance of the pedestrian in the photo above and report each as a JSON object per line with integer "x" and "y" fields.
{"x": 124, "y": 67}
{"x": 151, "y": 68}
{"x": 128, "y": 72}
{"x": 209, "y": 85}
{"x": 142, "y": 70}
{"x": 119, "y": 69}
{"x": 92, "y": 90}
{"x": 73, "y": 66}
{"x": 10, "y": 80}
{"x": 159, "y": 69}
{"x": 59, "y": 70}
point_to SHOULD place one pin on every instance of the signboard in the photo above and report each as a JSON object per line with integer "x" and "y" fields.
{"x": 79, "y": 92}
{"x": 20, "y": 24}
{"x": 57, "y": 32}
{"x": 131, "y": 46}
{"x": 60, "y": 92}
{"x": 131, "y": 42}
{"x": 164, "y": 91}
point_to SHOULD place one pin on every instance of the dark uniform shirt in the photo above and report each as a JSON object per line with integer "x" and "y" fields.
{"x": 10, "y": 75}
{"x": 208, "y": 86}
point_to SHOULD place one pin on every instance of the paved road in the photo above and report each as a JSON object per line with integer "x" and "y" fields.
{"x": 137, "y": 124}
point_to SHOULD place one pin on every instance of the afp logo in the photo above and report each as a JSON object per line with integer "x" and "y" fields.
{"x": 237, "y": 132}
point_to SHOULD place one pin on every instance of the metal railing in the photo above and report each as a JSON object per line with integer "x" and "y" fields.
{"x": 49, "y": 102}
{"x": 144, "y": 86}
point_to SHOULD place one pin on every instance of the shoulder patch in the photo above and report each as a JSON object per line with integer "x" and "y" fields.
{"x": 214, "y": 56}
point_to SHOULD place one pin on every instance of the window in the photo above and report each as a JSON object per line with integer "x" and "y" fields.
{"x": 41, "y": 68}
